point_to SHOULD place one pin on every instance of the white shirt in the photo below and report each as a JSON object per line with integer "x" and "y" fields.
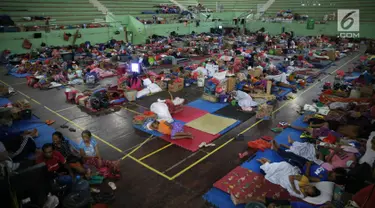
{"x": 369, "y": 156}
{"x": 2, "y": 147}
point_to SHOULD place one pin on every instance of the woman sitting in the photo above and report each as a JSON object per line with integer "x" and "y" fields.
{"x": 73, "y": 159}
{"x": 175, "y": 130}
{"x": 288, "y": 177}
{"x": 91, "y": 156}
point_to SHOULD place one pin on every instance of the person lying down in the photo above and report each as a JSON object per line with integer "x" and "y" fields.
{"x": 288, "y": 177}
{"x": 175, "y": 129}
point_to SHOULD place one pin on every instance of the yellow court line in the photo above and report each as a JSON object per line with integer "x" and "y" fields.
{"x": 256, "y": 123}
{"x": 156, "y": 151}
{"x": 150, "y": 168}
{"x": 79, "y": 127}
{"x": 28, "y": 97}
{"x": 212, "y": 152}
{"x": 139, "y": 146}
{"x": 36, "y": 101}
{"x": 74, "y": 106}
{"x": 130, "y": 110}
{"x": 4, "y": 83}
{"x": 68, "y": 120}
{"x": 140, "y": 105}
{"x": 195, "y": 163}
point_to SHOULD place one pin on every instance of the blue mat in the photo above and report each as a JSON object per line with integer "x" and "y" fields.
{"x": 282, "y": 138}
{"x": 4, "y": 101}
{"x": 254, "y": 165}
{"x": 219, "y": 198}
{"x": 206, "y": 105}
{"x": 45, "y": 136}
{"x": 285, "y": 91}
{"x": 299, "y": 122}
{"x": 38, "y": 59}
{"x": 323, "y": 64}
{"x": 23, "y": 125}
{"x": 19, "y": 75}
{"x": 352, "y": 77}
{"x": 154, "y": 133}
{"x": 230, "y": 127}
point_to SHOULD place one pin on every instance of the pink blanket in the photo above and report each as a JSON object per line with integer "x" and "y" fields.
{"x": 103, "y": 73}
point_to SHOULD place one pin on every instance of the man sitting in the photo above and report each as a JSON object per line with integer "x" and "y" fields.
{"x": 55, "y": 162}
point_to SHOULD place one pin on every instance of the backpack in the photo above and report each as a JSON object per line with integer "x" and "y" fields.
{"x": 94, "y": 102}
{"x": 90, "y": 79}
{"x": 104, "y": 198}
{"x": 26, "y": 44}
{"x": 80, "y": 195}
{"x": 87, "y": 44}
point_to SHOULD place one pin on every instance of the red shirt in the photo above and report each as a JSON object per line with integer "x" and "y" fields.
{"x": 54, "y": 162}
{"x": 365, "y": 198}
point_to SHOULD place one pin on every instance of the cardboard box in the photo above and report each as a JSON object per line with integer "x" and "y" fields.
{"x": 256, "y": 72}
{"x": 176, "y": 86}
{"x": 332, "y": 55}
{"x": 211, "y": 98}
{"x": 161, "y": 84}
{"x": 366, "y": 91}
{"x": 231, "y": 84}
{"x": 279, "y": 52}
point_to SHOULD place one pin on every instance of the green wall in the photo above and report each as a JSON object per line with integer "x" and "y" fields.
{"x": 13, "y": 41}
{"x": 141, "y": 31}
{"x": 366, "y": 29}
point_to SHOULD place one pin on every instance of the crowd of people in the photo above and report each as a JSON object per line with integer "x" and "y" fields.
{"x": 60, "y": 156}
{"x": 253, "y": 60}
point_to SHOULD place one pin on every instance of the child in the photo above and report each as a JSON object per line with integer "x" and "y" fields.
{"x": 90, "y": 153}
{"x": 175, "y": 130}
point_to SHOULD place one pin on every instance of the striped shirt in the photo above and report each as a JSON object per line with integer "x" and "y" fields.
{"x": 64, "y": 148}
{"x": 22, "y": 146}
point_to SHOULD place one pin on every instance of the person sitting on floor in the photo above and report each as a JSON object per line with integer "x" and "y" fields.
{"x": 19, "y": 146}
{"x": 72, "y": 156}
{"x": 286, "y": 175}
{"x": 175, "y": 130}
{"x": 55, "y": 162}
{"x": 91, "y": 156}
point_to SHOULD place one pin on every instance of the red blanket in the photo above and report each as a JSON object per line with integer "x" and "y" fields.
{"x": 245, "y": 185}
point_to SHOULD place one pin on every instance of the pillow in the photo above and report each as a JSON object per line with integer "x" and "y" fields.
{"x": 146, "y": 82}
{"x": 154, "y": 88}
{"x": 326, "y": 189}
{"x": 143, "y": 92}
